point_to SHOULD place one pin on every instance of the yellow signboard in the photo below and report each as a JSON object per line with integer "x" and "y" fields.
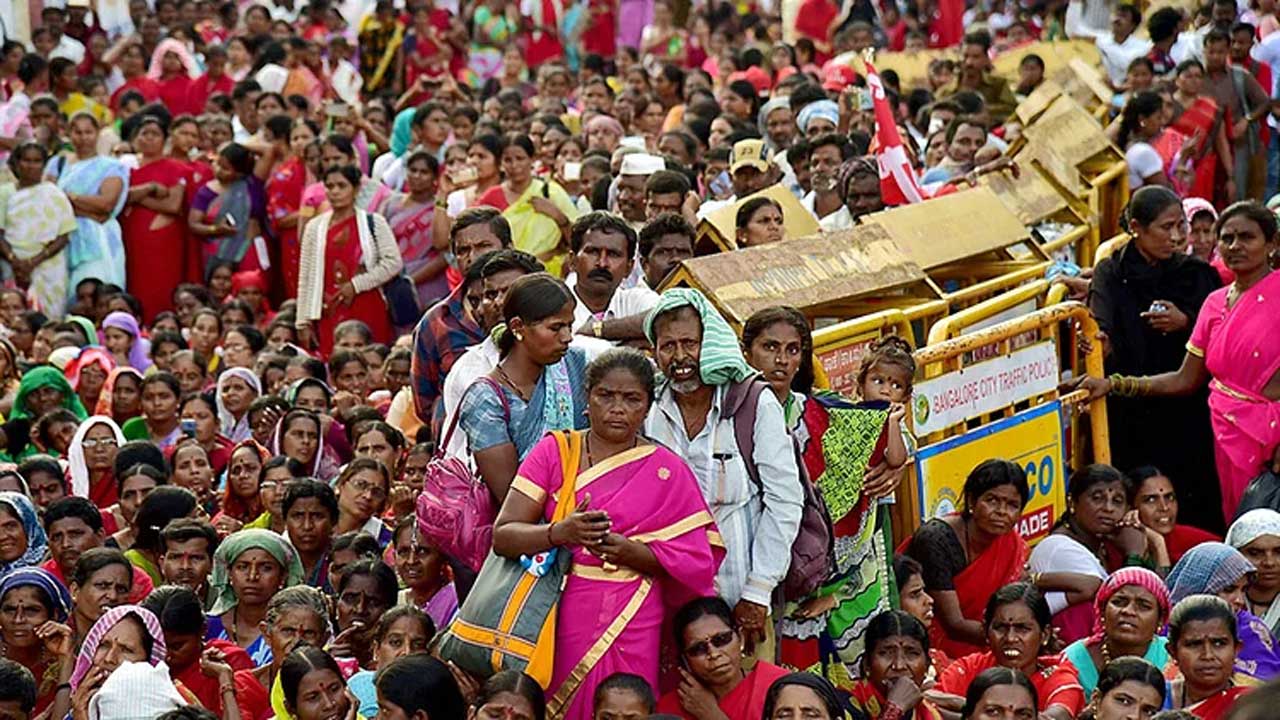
{"x": 1032, "y": 438}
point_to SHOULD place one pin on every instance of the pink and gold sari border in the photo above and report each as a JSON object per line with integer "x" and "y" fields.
{"x": 529, "y": 489}
{"x": 675, "y": 529}
{"x": 558, "y": 702}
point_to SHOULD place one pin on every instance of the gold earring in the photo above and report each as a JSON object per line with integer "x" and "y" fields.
{"x": 519, "y": 337}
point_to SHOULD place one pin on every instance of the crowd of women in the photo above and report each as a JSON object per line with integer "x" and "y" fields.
{"x": 275, "y": 274}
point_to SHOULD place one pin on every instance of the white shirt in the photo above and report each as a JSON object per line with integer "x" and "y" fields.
{"x": 476, "y": 362}
{"x": 1143, "y": 161}
{"x": 1117, "y": 56}
{"x": 626, "y": 302}
{"x": 758, "y": 525}
{"x": 841, "y": 219}
{"x": 711, "y": 206}
{"x": 69, "y": 48}
{"x": 1268, "y": 51}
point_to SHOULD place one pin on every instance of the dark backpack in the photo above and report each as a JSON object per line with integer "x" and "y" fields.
{"x": 813, "y": 557}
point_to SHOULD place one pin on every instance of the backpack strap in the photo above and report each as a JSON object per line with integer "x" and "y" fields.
{"x": 457, "y": 413}
{"x": 747, "y": 397}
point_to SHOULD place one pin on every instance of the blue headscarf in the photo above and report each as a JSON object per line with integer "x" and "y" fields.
{"x": 59, "y": 598}
{"x": 826, "y": 109}
{"x": 1205, "y": 570}
{"x": 37, "y": 542}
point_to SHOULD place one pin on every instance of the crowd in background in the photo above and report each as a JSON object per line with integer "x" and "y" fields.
{"x": 272, "y": 270}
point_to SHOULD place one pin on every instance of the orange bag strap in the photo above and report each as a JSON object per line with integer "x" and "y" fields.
{"x": 570, "y": 444}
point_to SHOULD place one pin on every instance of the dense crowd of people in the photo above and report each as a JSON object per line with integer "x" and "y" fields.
{"x": 341, "y": 375}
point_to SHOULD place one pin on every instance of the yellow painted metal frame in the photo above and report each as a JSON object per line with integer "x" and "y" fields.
{"x": 955, "y": 324}
{"x": 949, "y": 356}
{"x": 855, "y": 331}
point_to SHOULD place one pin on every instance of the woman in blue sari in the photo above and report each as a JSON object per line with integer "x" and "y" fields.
{"x": 538, "y": 385}
{"x": 97, "y": 187}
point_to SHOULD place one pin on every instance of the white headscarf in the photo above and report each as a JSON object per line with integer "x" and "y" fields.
{"x": 1247, "y": 528}
{"x": 231, "y": 428}
{"x": 136, "y": 690}
{"x": 1253, "y": 525}
{"x": 75, "y": 452}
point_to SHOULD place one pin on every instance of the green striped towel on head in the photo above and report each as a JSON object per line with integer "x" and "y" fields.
{"x": 721, "y": 360}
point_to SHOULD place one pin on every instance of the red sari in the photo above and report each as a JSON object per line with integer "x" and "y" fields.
{"x": 1001, "y": 563}
{"x": 1056, "y": 682}
{"x": 284, "y": 197}
{"x": 1217, "y": 707}
{"x": 156, "y": 246}
{"x": 1201, "y": 117}
{"x": 744, "y": 702}
{"x": 343, "y": 261}
{"x": 175, "y": 93}
{"x": 143, "y": 84}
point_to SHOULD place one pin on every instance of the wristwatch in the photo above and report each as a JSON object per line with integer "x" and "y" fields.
{"x": 597, "y": 328}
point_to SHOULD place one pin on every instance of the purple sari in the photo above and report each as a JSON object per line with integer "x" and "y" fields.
{"x": 610, "y": 618}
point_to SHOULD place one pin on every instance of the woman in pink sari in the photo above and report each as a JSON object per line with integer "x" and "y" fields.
{"x": 642, "y": 539}
{"x": 1233, "y": 350}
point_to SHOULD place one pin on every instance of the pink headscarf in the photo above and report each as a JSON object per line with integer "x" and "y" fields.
{"x": 606, "y": 121}
{"x": 176, "y": 47}
{"x": 84, "y": 661}
{"x": 89, "y": 356}
{"x": 1193, "y": 206}
{"x": 1124, "y": 577}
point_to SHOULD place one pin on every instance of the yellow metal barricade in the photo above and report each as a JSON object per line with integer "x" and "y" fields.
{"x": 837, "y": 349}
{"x": 969, "y": 405}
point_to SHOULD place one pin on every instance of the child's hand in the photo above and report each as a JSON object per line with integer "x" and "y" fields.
{"x": 897, "y": 411}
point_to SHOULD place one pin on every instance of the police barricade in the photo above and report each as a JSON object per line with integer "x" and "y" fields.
{"x": 824, "y": 276}
{"x": 1070, "y": 149}
{"x": 968, "y": 407}
{"x": 717, "y": 232}
{"x": 838, "y": 348}
{"x": 1059, "y": 223}
{"x": 913, "y": 68}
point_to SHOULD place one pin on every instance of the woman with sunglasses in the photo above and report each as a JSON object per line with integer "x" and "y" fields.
{"x": 712, "y": 680}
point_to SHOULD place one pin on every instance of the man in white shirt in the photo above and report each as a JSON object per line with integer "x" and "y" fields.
{"x": 1121, "y": 46}
{"x": 749, "y": 479}
{"x": 604, "y": 252}
{"x": 830, "y": 151}
{"x": 54, "y": 18}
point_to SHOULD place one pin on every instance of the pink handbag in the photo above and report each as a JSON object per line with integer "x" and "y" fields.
{"x": 455, "y": 509}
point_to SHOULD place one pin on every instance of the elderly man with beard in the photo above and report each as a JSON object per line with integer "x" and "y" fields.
{"x": 604, "y": 254}
{"x": 825, "y": 201}
{"x": 189, "y": 545}
{"x": 753, "y": 492}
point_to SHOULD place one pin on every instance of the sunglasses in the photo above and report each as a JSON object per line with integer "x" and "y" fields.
{"x": 702, "y": 648}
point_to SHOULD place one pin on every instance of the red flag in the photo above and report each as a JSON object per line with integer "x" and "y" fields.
{"x": 898, "y": 183}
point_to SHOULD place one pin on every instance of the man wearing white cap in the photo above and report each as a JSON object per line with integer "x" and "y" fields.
{"x": 636, "y": 169}
{"x": 751, "y": 169}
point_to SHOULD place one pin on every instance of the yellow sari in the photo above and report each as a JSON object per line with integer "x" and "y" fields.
{"x": 535, "y": 233}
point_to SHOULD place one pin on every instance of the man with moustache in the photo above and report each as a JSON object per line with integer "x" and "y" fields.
{"x": 604, "y": 253}
{"x": 830, "y": 151}
{"x": 74, "y": 526}
{"x": 189, "y": 545}
{"x": 753, "y": 492}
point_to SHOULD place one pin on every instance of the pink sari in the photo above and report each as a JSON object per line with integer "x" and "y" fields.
{"x": 1239, "y": 349}
{"x": 610, "y": 619}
